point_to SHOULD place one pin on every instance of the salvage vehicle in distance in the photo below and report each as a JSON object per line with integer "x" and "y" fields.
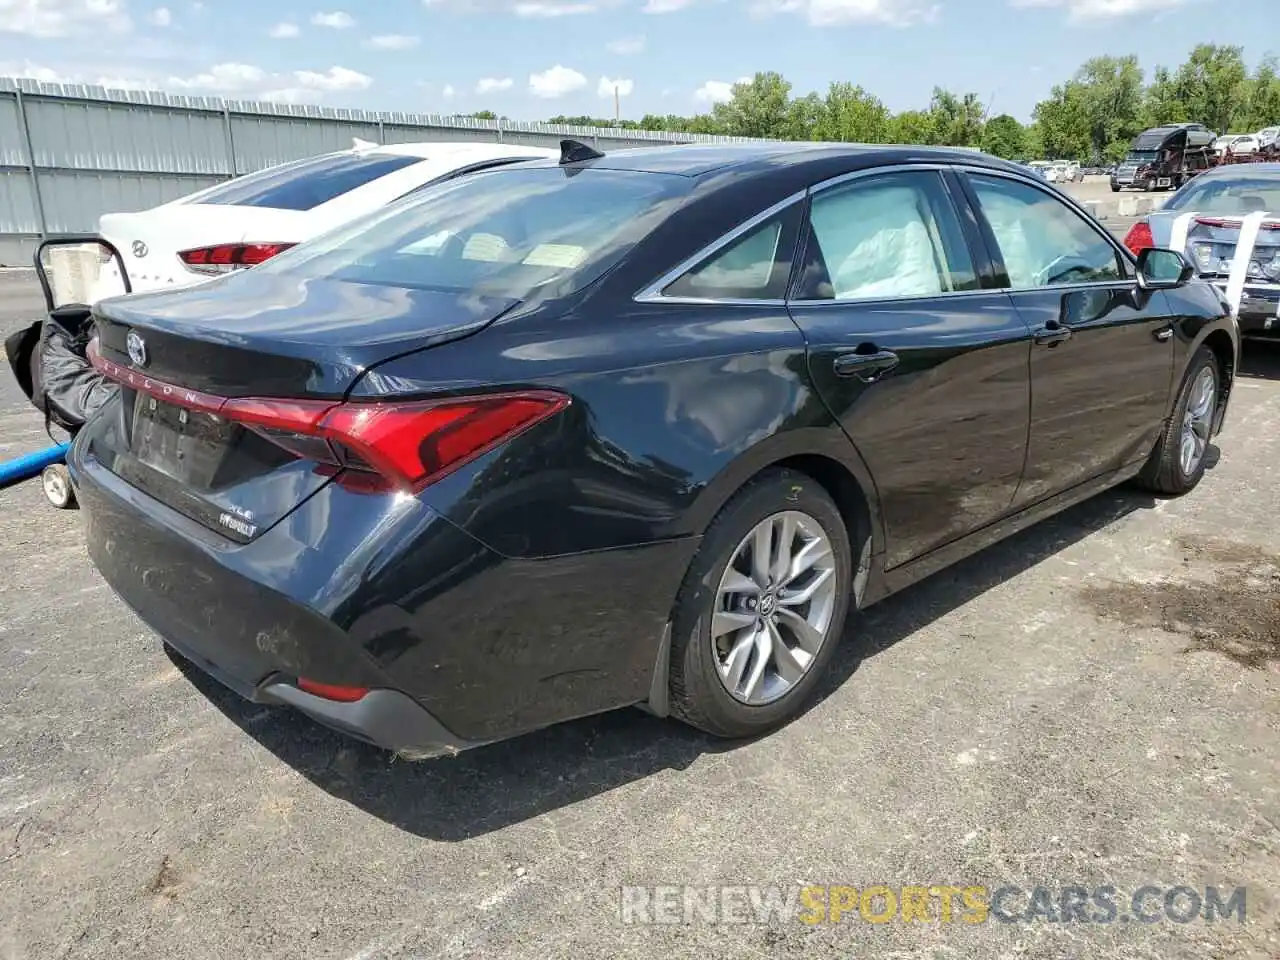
{"x": 1219, "y": 202}
{"x": 244, "y": 221}
{"x": 627, "y": 429}
{"x": 1164, "y": 158}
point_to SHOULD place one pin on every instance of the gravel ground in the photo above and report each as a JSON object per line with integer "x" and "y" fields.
{"x": 1092, "y": 702}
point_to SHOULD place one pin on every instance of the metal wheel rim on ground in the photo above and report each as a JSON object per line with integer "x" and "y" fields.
{"x": 1197, "y": 421}
{"x": 773, "y": 607}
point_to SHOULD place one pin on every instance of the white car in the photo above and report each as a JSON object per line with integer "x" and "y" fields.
{"x": 246, "y": 220}
{"x": 1268, "y": 136}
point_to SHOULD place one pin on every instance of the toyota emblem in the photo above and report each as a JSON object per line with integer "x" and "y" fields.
{"x": 137, "y": 348}
{"x": 139, "y": 249}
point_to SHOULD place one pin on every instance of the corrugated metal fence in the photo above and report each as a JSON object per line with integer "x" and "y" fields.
{"x": 69, "y": 153}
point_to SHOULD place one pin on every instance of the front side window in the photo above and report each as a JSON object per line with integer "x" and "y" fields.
{"x": 1043, "y": 241}
{"x": 511, "y": 232}
{"x": 305, "y": 184}
{"x": 895, "y": 235}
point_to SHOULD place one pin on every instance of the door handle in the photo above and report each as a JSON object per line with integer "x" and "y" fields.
{"x": 1052, "y": 336}
{"x": 1163, "y": 334}
{"x": 867, "y": 367}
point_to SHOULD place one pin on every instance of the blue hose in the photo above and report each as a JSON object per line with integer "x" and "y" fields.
{"x": 24, "y": 468}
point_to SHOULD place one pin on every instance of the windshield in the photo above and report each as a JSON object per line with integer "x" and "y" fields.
{"x": 1142, "y": 156}
{"x": 508, "y": 232}
{"x": 1228, "y": 195}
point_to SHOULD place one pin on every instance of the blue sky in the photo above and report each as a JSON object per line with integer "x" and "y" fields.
{"x": 531, "y": 59}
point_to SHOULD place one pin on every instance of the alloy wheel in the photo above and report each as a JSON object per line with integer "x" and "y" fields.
{"x": 1197, "y": 421}
{"x": 774, "y": 607}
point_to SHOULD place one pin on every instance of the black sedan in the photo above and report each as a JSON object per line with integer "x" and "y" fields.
{"x": 631, "y": 429}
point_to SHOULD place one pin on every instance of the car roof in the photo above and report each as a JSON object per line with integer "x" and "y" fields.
{"x": 1242, "y": 171}
{"x": 697, "y": 160}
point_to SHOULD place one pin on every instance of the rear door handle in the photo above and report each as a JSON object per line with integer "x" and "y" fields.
{"x": 867, "y": 367}
{"x": 1052, "y": 336}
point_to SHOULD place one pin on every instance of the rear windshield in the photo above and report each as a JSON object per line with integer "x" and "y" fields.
{"x": 511, "y": 232}
{"x": 1223, "y": 195}
{"x": 306, "y": 183}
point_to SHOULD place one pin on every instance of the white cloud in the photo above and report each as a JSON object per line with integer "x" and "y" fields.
{"x": 448, "y": 91}
{"x": 42, "y": 74}
{"x": 284, "y": 31}
{"x": 224, "y": 78}
{"x": 606, "y": 87}
{"x": 1100, "y": 9}
{"x": 60, "y": 18}
{"x": 392, "y": 41}
{"x": 664, "y": 6}
{"x": 825, "y": 13}
{"x": 717, "y": 91}
{"x": 626, "y": 46}
{"x": 246, "y": 81}
{"x": 337, "y": 20}
{"x": 524, "y": 9}
{"x": 494, "y": 84}
{"x": 547, "y": 9}
{"x": 555, "y": 82}
{"x": 161, "y": 17}
{"x": 334, "y": 79}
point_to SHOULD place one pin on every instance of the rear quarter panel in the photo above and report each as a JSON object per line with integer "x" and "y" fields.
{"x": 674, "y": 407}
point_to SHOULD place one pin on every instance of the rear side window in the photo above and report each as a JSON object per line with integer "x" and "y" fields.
{"x": 307, "y": 183}
{"x": 755, "y": 266}
{"x": 895, "y": 235}
{"x": 512, "y": 232}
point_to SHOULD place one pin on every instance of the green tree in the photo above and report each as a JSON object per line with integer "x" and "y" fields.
{"x": 1112, "y": 91}
{"x": 850, "y": 114}
{"x": 956, "y": 121}
{"x": 757, "y": 108}
{"x": 1063, "y": 124}
{"x": 1210, "y": 85}
{"x": 1004, "y": 136}
{"x": 1260, "y": 98}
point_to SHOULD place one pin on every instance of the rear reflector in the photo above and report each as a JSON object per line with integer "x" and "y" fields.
{"x": 409, "y": 444}
{"x": 331, "y": 691}
{"x": 230, "y": 256}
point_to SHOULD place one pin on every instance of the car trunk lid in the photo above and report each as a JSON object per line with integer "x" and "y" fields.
{"x": 226, "y": 387}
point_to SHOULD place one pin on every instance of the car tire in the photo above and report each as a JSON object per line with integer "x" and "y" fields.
{"x": 708, "y": 658}
{"x": 1172, "y": 469}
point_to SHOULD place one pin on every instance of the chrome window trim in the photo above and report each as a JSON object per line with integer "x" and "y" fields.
{"x": 653, "y": 292}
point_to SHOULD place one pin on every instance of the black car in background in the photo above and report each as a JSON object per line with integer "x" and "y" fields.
{"x": 629, "y": 429}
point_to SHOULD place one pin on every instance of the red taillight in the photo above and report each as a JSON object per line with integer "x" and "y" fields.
{"x": 409, "y": 443}
{"x": 230, "y": 256}
{"x": 1139, "y": 237}
{"x": 331, "y": 691}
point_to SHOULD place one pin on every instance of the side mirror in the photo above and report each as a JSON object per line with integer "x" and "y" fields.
{"x": 80, "y": 270}
{"x": 1160, "y": 269}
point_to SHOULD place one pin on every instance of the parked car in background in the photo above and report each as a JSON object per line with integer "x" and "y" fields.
{"x": 246, "y": 220}
{"x": 1220, "y": 200}
{"x": 629, "y": 429}
{"x": 1268, "y": 136}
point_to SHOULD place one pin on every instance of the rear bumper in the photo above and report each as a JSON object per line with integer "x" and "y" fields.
{"x": 1259, "y": 313}
{"x": 457, "y": 644}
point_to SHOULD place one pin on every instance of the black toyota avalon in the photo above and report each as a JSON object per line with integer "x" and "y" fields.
{"x": 637, "y": 429}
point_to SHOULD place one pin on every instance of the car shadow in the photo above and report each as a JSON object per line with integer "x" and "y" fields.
{"x": 488, "y": 788}
{"x": 1260, "y": 359}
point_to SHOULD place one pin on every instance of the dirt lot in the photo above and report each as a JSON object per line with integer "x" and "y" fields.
{"x": 1093, "y": 702}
